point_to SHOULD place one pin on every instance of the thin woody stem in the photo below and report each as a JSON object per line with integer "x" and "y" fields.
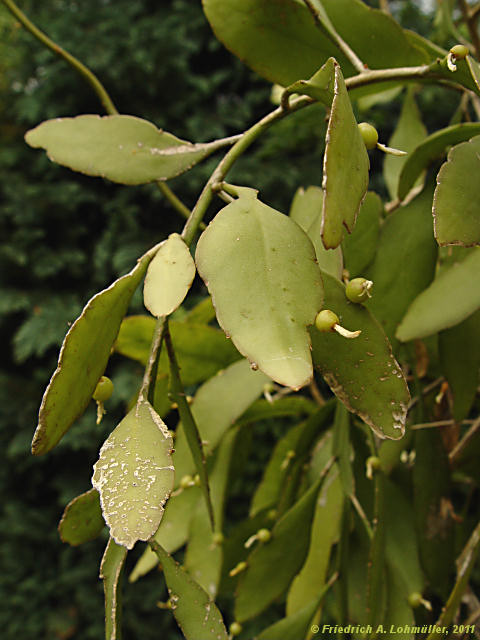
{"x": 331, "y": 33}
{"x": 84, "y": 71}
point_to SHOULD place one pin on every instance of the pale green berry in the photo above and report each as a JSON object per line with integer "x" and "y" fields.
{"x": 460, "y": 51}
{"x": 263, "y": 535}
{"x": 235, "y": 629}
{"x": 415, "y": 599}
{"x": 218, "y": 538}
{"x": 369, "y": 134}
{"x": 358, "y": 290}
{"x": 326, "y": 320}
{"x": 103, "y": 390}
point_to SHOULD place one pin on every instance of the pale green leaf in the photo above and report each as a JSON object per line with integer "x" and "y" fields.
{"x": 360, "y": 246}
{"x": 431, "y": 149}
{"x": 270, "y": 570}
{"x": 455, "y": 205}
{"x": 361, "y": 372}
{"x": 111, "y": 572}
{"x": 203, "y": 558}
{"x": 82, "y": 519}
{"x": 200, "y": 350}
{"x": 173, "y": 530}
{"x": 405, "y": 262}
{"x": 459, "y": 351}
{"x": 451, "y": 298}
{"x": 266, "y": 287}
{"x": 306, "y": 210}
{"x": 345, "y": 168}
{"x": 134, "y": 475}
{"x": 325, "y": 532}
{"x": 169, "y": 277}
{"x": 261, "y": 32}
{"x": 299, "y": 441}
{"x": 83, "y": 358}
{"x": 296, "y": 624}
{"x": 121, "y": 148}
{"x": 196, "y": 614}
{"x": 319, "y": 86}
{"x": 216, "y": 406}
{"x": 408, "y": 134}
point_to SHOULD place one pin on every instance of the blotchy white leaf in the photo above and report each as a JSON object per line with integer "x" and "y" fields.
{"x": 134, "y": 475}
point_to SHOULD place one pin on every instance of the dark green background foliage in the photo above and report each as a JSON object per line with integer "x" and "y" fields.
{"x": 64, "y": 237}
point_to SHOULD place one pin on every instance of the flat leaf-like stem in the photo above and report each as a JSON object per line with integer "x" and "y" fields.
{"x": 169, "y": 277}
{"x": 260, "y": 269}
{"x": 430, "y": 150}
{"x": 196, "y": 614}
{"x": 189, "y": 425}
{"x": 362, "y": 373}
{"x": 83, "y": 358}
{"x": 455, "y": 204}
{"x": 111, "y": 572}
{"x": 134, "y": 475}
{"x": 345, "y": 168}
{"x": 82, "y": 519}
{"x": 451, "y": 298}
{"x": 121, "y": 148}
{"x": 465, "y": 565}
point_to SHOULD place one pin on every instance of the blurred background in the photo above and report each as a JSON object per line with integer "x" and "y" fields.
{"x": 64, "y": 237}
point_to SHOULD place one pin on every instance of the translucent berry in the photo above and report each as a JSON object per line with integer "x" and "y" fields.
{"x": 263, "y": 535}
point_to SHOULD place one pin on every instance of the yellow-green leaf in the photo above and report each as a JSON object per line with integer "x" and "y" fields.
{"x": 306, "y": 210}
{"x": 451, "y": 298}
{"x": 196, "y": 614}
{"x": 345, "y": 168}
{"x": 361, "y": 372}
{"x": 82, "y": 519}
{"x": 266, "y": 287}
{"x": 169, "y": 277}
{"x": 111, "y": 572}
{"x": 83, "y": 358}
{"x": 121, "y": 148}
{"x": 134, "y": 475}
{"x": 455, "y": 205}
